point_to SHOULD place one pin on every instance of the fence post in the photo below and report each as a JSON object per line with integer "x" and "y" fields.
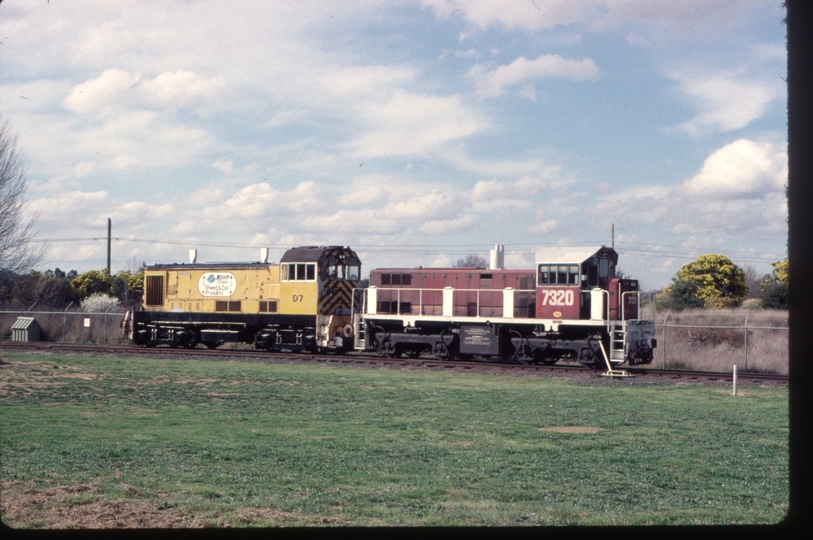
{"x": 64, "y": 318}
{"x": 105, "y": 323}
{"x": 745, "y": 326}
{"x": 663, "y": 365}
{"x": 734, "y": 382}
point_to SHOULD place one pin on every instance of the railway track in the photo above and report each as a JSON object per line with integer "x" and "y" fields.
{"x": 428, "y": 363}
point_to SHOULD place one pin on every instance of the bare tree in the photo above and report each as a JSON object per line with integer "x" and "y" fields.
{"x": 472, "y": 260}
{"x": 753, "y": 281}
{"x": 17, "y": 253}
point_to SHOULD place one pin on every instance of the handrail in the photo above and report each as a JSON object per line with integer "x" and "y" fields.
{"x": 400, "y": 293}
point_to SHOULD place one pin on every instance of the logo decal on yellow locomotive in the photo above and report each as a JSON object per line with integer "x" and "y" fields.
{"x": 217, "y": 284}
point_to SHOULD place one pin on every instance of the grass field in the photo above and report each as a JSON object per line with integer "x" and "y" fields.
{"x": 103, "y": 442}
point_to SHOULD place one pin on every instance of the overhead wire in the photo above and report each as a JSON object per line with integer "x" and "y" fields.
{"x": 663, "y": 251}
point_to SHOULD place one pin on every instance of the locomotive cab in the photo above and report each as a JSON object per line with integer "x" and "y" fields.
{"x": 581, "y": 284}
{"x": 317, "y": 281}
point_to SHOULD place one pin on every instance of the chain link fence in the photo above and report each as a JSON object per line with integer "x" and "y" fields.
{"x": 70, "y": 326}
{"x": 711, "y": 340}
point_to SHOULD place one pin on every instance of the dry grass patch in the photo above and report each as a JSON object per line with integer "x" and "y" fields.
{"x": 685, "y": 344}
{"x": 570, "y": 429}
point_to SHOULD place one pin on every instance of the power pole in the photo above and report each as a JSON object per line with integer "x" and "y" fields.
{"x": 109, "y": 230}
{"x": 612, "y": 240}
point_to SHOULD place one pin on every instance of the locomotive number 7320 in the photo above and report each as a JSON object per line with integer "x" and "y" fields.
{"x": 557, "y": 297}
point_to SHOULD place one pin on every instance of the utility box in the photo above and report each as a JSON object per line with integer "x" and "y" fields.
{"x": 25, "y": 329}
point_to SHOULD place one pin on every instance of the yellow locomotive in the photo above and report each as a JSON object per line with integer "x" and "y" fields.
{"x": 303, "y": 303}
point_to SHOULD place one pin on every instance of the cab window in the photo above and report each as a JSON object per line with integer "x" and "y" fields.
{"x": 573, "y": 274}
{"x": 558, "y": 274}
{"x": 299, "y": 272}
{"x": 604, "y": 268}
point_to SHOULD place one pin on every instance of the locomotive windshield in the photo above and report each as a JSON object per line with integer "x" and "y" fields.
{"x": 558, "y": 274}
{"x": 599, "y": 269}
{"x": 348, "y": 269}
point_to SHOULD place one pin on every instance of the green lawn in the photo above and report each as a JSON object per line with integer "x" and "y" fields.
{"x": 217, "y": 442}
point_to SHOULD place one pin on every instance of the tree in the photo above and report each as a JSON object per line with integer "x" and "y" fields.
{"x": 472, "y": 260}
{"x": 774, "y": 287}
{"x": 99, "y": 302}
{"x": 780, "y": 271}
{"x": 681, "y": 295}
{"x": 17, "y": 253}
{"x": 92, "y": 281}
{"x": 127, "y": 286}
{"x": 720, "y": 282}
{"x": 752, "y": 280}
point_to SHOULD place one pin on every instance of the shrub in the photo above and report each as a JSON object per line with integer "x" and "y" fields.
{"x": 682, "y": 294}
{"x": 775, "y": 295}
{"x": 99, "y": 302}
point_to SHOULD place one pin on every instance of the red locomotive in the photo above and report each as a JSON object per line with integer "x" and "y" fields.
{"x": 570, "y": 306}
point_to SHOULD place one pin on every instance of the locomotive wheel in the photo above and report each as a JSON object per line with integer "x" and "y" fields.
{"x": 441, "y": 351}
{"x": 390, "y": 351}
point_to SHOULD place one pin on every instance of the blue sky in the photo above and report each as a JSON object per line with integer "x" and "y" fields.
{"x": 414, "y": 131}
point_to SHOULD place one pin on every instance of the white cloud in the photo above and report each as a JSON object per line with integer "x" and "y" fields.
{"x": 739, "y": 188}
{"x": 511, "y": 14}
{"x": 495, "y": 82}
{"x": 539, "y": 229}
{"x": 104, "y": 91}
{"x": 726, "y": 103}
{"x": 742, "y": 169}
{"x": 688, "y": 17}
{"x": 488, "y": 194}
{"x": 223, "y": 166}
{"x": 122, "y": 89}
{"x": 409, "y": 124}
{"x": 180, "y": 89}
{"x": 440, "y": 227}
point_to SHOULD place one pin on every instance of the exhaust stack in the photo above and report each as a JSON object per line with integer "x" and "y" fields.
{"x": 498, "y": 258}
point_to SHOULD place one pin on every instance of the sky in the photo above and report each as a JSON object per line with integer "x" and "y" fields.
{"x": 414, "y": 131}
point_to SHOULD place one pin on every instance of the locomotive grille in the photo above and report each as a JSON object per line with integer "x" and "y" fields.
{"x": 228, "y": 305}
{"x": 155, "y": 290}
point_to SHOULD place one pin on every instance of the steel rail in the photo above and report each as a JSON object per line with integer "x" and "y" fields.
{"x": 425, "y": 362}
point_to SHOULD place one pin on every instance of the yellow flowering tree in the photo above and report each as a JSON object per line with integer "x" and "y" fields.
{"x": 780, "y": 271}
{"x": 720, "y": 282}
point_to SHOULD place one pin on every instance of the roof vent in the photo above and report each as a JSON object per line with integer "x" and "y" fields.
{"x": 193, "y": 256}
